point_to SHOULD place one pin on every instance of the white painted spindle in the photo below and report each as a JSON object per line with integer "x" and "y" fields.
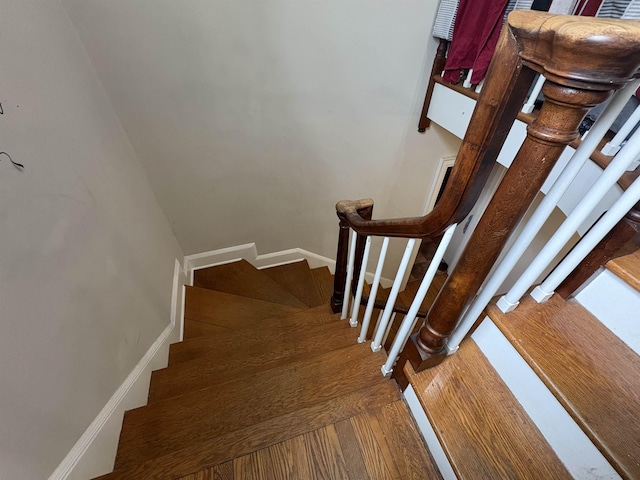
{"x": 366, "y": 320}
{"x": 408, "y": 322}
{"x": 529, "y": 106}
{"x": 353, "y": 321}
{"x": 347, "y": 284}
{"x": 376, "y": 345}
{"x": 613, "y": 147}
{"x": 628, "y": 199}
{"x": 610, "y": 175}
{"x": 542, "y": 213}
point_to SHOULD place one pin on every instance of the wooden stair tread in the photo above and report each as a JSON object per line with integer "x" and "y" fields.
{"x": 243, "y": 279}
{"x": 296, "y": 278}
{"x": 158, "y": 428}
{"x": 228, "y": 360}
{"x": 230, "y": 311}
{"x": 194, "y": 328}
{"x": 627, "y": 268}
{"x": 324, "y": 282}
{"x": 222, "y": 448}
{"x": 243, "y": 338}
{"x": 483, "y": 429}
{"x": 591, "y": 371}
{"x": 369, "y": 445}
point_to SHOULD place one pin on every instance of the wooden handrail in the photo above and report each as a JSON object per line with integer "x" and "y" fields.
{"x": 583, "y": 60}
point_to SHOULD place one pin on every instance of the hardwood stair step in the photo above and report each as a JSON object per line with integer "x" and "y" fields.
{"x": 627, "y": 268}
{"x": 228, "y": 359}
{"x": 594, "y": 375}
{"x": 157, "y": 429}
{"x": 239, "y": 340}
{"x": 296, "y": 278}
{"x": 324, "y": 282}
{"x": 216, "y": 450}
{"x": 483, "y": 429}
{"x": 228, "y": 311}
{"x": 243, "y": 279}
{"x": 380, "y": 444}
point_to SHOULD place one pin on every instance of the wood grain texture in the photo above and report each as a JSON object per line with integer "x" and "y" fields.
{"x": 227, "y": 360}
{"x": 592, "y": 372}
{"x": 221, "y": 448}
{"x": 223, "y": 471}
{"x": 324, "y": 282}
{"x": 296, "y": 278}
{"x": 243, "y": 279}
{"x": 627, "y": 268}
{"x": 230, "y": 311}
{"x": 351, "y": 452}
{"x": 280, "y": 329}
{"x": 323, "y": 447}
{"x": 157, "y": 429}
{"x": 481, "y": 426}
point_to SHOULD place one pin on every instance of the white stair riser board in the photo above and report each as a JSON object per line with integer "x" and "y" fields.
{"x": 429, "y": 435}
{"x": 579, "y": 456}
{"x": 616, "y": 304}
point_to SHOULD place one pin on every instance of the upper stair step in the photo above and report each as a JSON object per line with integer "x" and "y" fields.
{"x": 296, "y": 278}
{"x": 627, "y": 268}
{"x": 157, "y": 429}
{"x": 225, "y": 358}
{"x": 324, "y": 282}
{"x": 239, "y": 338}
{"x": 484, "y": 431}
{"x": 243, "y": 279}
{"x": 592, "y": 373}
{"x": 227, "y": 311}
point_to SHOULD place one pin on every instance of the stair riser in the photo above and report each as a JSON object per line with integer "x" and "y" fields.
{"x": 616, "y": 305}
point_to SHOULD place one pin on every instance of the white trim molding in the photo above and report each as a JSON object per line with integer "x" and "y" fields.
{"x": 249, "y": 252}
{"x": 94, "y": 453}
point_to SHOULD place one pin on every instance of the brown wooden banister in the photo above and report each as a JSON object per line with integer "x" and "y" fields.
{"x": 584, "y": 60}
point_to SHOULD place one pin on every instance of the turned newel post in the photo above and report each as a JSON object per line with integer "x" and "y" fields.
{"x": 583, "y": 61}
{"x": 364, "y": 208}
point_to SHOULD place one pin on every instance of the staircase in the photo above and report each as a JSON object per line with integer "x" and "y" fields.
{"x": 545, "y": 391}
{"x": 267, "y": 384}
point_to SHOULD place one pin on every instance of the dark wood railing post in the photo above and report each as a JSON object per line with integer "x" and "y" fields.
{"x": 365, "y": 210}
{"x": 340, "y": 275}
{"x": 582, "y": 68}
{"x": 437, "y": 68}
{"x": 622, "y": 240}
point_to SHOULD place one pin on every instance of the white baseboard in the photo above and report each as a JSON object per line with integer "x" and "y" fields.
{"x": 95, "y": 452}
{"x": 249, "y": 252}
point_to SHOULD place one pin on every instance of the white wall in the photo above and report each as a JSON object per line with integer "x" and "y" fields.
{"x": 86, "y": 254}
{"x": 253, "y": 117}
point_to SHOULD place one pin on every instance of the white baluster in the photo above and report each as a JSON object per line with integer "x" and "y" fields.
{"x": 467, "y": 80}
{"x": 376, "y": 345}
{"x": 531, "y": 101}
{"x": 353, "y": 321}
{"x": 408, "y": 322}
{"x": 628, "y": 199}
{"x": 540, "y": 216}
{"x": 609, "y": 176}
{"x": 347, "y": 284}
{"x": 613, "y": 147}
{"x": 374, "y": 291}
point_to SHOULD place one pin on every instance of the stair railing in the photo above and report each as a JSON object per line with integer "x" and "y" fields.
{"x": 584, "y": 60}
